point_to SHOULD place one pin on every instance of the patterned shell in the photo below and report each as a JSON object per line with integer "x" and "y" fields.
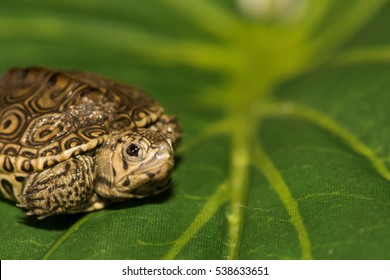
{"x": 49, "y": 116}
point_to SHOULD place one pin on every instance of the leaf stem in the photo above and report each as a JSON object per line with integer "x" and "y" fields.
{"x": 238, "y": 183}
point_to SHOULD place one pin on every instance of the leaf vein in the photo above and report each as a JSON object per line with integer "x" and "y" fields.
{"x": 205, "y": 214}
{"x": 266, "y": 166}
{"x": 66, "y": 235}
{"x": 350, "y": 139}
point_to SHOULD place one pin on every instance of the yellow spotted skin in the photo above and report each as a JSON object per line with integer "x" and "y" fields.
{"x": 48, "y": 117}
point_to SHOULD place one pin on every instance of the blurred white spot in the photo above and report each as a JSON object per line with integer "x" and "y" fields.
{"x": 278, "y": 10}
{"x": 330, "y": 252}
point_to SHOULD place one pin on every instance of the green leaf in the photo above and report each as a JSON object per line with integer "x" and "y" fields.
{"x": 285, "y": 153}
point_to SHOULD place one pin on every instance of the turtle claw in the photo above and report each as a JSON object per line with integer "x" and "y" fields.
{"x": 39, "y": 216}
{"x": 22, "y": 205}
{"x": 30, "y": 213}
{"x": 33, "y": 209}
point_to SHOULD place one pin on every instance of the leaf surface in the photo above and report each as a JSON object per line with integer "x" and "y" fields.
{"x": 285, "y": 153}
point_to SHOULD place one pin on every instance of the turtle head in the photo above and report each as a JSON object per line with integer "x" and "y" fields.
{"x": 134, "y": 164}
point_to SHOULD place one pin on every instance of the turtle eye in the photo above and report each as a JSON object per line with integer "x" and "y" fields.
{"x": 134, "y": 151}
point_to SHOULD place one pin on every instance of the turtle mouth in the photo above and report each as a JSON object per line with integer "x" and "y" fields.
{"x": 150, "y": 181}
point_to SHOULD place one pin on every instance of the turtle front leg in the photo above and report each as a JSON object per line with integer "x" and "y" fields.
{"x": 66, "y": 187}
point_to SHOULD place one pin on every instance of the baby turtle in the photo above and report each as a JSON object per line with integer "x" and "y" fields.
{"x": 76, "y": 141}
